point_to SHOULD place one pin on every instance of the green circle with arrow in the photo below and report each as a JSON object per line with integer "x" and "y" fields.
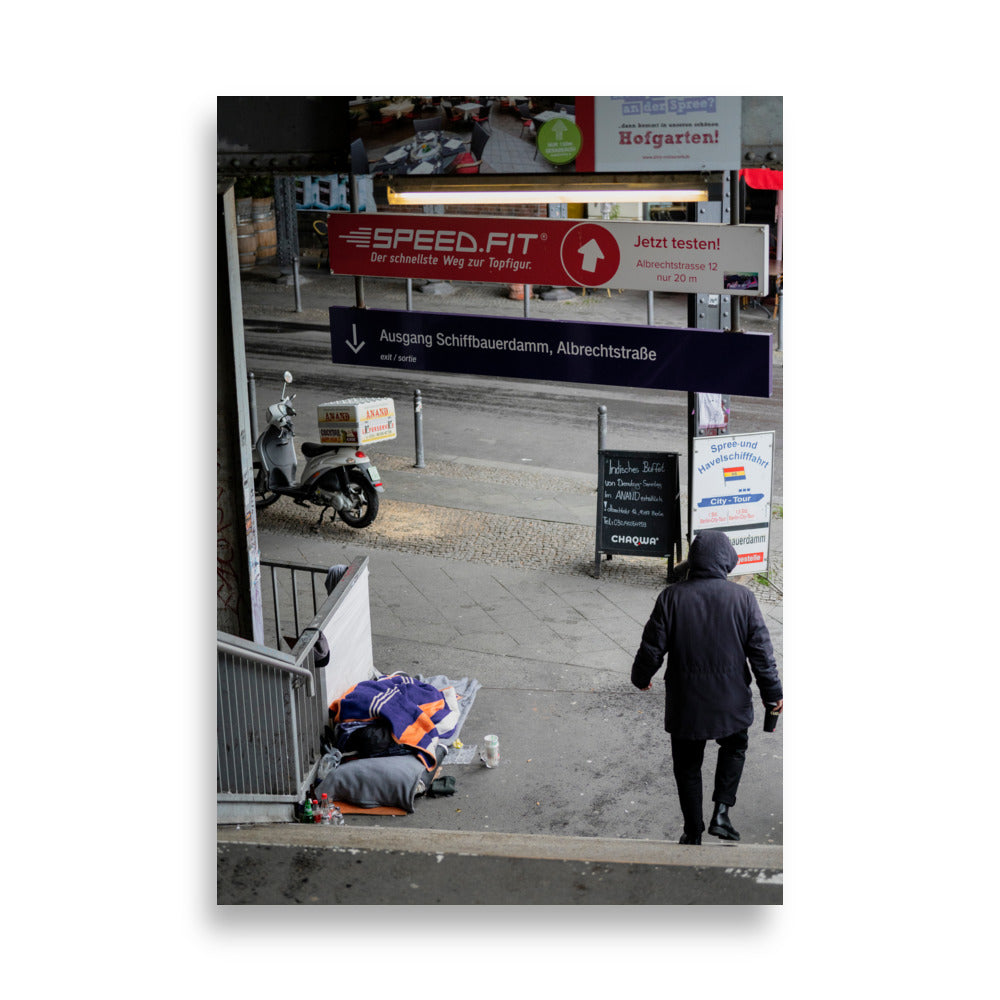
{"x": 559, "y": 140}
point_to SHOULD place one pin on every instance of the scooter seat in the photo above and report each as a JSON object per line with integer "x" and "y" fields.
{"x": 310, "y": 448}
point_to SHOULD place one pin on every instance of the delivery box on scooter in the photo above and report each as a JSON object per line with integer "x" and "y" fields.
{"x": 356, "y": 421}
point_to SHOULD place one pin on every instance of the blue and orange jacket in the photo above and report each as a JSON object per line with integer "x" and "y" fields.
{"x": 419, "y": 714}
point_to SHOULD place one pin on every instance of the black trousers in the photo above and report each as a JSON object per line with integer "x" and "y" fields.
{"x": 688, "y": 756}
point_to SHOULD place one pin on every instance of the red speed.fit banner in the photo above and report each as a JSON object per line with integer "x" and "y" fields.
{"x": 688, "y": 257}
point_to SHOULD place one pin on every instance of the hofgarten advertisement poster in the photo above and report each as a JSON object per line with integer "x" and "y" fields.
{"x": 699, "y": 132}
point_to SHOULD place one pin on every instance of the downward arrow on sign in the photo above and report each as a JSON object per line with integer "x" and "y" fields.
{"x": 591, "y": 254}
{"x": 355, "y": 346}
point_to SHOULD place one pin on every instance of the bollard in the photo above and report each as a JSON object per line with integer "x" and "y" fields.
{"x": 781, "y": 320}
{"x": 298, "y": 290}
{"x": 252, "y": 392}
{"x": 602, "y": 437}
{"x": 418, "y": 428}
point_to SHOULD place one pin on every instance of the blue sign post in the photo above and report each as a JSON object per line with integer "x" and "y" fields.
{"x": 646, "y": 357}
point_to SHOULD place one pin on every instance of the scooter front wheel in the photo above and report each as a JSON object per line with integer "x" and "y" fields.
{"x": 365, "y": 501}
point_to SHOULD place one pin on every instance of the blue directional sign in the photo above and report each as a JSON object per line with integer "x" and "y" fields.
{"x": 648, "y": 357}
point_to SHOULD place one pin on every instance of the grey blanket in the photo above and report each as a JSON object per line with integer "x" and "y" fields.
{"x": 465, "y": 688}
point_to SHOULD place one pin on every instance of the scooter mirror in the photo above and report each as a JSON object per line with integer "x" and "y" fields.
{"x": 288, "y": 378}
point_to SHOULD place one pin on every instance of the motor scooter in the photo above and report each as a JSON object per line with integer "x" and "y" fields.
{"x": 341, "y": 477}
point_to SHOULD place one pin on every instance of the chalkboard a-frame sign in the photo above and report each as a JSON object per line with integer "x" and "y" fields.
{"x": 638, "y": 505}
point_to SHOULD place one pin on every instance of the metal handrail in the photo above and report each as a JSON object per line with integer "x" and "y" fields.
{"x": 265, "y": 754}
{"x": 314, "y": 573}
{"x": 270, "y": 723}
{"x": 278, "y": 661}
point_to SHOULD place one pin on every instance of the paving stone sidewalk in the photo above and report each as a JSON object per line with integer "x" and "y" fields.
{"x": 487, "y": 571}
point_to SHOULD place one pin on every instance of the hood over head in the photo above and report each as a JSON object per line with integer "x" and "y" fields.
{"x": 711, "y": 554}
{"x": 334, "y": 575}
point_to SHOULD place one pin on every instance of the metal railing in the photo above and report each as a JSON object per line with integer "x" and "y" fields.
{"x": 272, "y": 704}
{"x": 289, "y": 587}
{"x": 268, "y": 722}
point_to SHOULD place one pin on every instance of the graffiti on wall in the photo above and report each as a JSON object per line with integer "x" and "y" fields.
{"x": 228, "y": 592}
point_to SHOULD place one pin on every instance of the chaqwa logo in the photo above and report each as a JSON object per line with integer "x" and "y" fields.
{"x": 633, "y": 540}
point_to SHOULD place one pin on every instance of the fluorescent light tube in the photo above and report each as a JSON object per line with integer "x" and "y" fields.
{"x": 410, "y": 193}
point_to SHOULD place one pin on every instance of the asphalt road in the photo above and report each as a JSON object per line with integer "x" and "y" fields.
{"x": 550, "y": 425}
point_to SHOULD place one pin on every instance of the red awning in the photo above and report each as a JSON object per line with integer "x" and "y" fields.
{"x": 764, "y": 179}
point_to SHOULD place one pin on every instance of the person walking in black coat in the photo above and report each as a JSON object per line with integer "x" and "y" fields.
{"x": 709, "y": 628}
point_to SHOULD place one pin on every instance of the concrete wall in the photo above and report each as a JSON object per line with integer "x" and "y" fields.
{"x": 763, "y": 132}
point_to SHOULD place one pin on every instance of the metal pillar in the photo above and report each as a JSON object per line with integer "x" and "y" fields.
{"x": 286, "y": 222}
{"x": 710, "y": 312}
{"x": 238, "y": 607}
{"x": 781, "y": 319}
{"x": 714, "y": 311}
{"x": 602, "y": 440}
{"x": 733, "y": 185}
{"x": 287, "y": 226}
{"x": 359, "y": 282}
{"x": 253, "y": 408}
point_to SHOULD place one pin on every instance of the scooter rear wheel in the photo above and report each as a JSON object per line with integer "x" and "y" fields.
{"x": 365, "y": 507}
{"x": 263, "y": 497}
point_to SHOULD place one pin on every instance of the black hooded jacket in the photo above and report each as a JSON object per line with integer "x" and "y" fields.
{"x": 708, "y": 627}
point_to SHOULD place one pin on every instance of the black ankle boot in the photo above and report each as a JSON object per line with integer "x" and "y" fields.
{"x": 690, "y": 838}
{"x": 720, "y": 825}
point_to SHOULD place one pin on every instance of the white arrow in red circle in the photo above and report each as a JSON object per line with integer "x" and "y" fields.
{"x": 591, "y": 254}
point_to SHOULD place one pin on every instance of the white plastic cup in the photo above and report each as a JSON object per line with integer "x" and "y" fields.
{"x": 491, "y": 751}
